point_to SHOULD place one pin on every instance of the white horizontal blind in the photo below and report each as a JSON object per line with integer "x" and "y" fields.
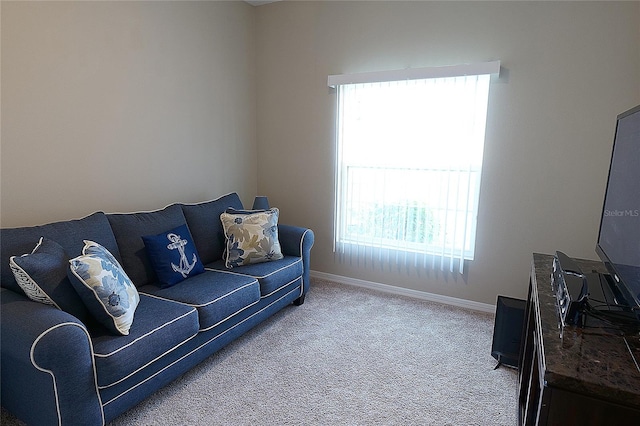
{"x": 409, "y": 160}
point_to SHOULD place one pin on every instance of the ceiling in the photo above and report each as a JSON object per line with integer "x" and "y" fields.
{"x": 260, "y": 2}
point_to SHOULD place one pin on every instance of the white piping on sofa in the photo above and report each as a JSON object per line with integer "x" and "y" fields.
{"x": 55, "y": 385}
{"x": 148, "y": 334}
{"x": 195, "y": 350}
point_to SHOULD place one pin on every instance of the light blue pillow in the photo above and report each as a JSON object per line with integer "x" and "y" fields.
{"x": 42, "y": 275}
{"x": 104, "y": 287}
{"x": 173, "y": 255}
{"x": 252, "y": 236}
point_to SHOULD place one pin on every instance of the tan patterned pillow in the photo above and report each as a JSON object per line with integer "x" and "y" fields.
{"x": 251, "y": 236}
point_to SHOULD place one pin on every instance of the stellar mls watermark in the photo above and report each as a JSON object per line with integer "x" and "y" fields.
{"x": 622, "y": 213}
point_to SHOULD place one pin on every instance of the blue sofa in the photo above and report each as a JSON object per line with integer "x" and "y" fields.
{"x": 59, "y": 369}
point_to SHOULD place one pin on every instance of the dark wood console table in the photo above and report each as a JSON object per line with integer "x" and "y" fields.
{"x": 586, "y": 377}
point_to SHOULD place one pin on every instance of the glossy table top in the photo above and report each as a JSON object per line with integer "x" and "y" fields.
{"x": 592, "y": 360}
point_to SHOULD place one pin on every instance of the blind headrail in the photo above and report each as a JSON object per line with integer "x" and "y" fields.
{"x": 480, "y": 68}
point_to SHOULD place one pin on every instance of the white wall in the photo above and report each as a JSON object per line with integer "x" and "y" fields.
{"x": 569, "y": 69}
{"x": 122, "y": 106}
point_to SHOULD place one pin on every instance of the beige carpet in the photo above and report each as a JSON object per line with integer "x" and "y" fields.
{"x": 348, "y": 356}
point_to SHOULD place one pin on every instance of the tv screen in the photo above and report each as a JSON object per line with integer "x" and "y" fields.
{"x": 619, "y": 237}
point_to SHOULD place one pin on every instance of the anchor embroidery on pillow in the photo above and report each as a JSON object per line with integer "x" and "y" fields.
{"x": 178, "y": 243}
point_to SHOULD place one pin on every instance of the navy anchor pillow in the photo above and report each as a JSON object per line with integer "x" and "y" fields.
{"x": 173, "y": 255}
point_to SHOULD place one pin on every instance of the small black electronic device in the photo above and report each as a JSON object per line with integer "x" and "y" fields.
{"x": 571, "y": 289}
{"x": 608, "y": 303}
{"x": 507, "y": 331}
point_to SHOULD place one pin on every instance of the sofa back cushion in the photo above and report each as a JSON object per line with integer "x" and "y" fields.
{"x": 204, "y": 223}
{"x": 129, "y": 228}
{"x": 68, "y": 234}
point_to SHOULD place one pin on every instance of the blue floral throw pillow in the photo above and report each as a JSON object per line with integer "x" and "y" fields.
{"x": 251, "y": 235}
{"x": 104, "y": 287}
{"x": 173, "y": 256}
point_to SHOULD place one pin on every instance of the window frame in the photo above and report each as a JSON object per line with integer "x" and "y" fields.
{"x": 344, "y": 239}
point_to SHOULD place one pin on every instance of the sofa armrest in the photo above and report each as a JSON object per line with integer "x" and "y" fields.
{"x": 47, "y": 370}
{"x": 294, "y": 240}
{"x": 297, "y": 241}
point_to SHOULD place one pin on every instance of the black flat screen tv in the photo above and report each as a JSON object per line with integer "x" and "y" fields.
{"x": 618, "y": 243}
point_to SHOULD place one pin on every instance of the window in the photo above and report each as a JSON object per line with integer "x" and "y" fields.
{"x": 409, "y": 161}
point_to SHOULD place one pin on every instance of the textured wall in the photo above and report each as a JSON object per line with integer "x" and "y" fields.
{"x": 122, "y": 106}
{"x": 569, "y": 69}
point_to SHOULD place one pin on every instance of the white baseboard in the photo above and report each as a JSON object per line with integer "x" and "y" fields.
{"x": 423, "y": 295}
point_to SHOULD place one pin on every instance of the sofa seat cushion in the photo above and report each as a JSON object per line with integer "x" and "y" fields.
{"x": 217, "y": 296}
{"x": 160, "y": 326}
{"x": 271, "y": 275}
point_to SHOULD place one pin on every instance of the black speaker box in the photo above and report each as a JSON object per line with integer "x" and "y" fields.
{"x": 507, "y": 330}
